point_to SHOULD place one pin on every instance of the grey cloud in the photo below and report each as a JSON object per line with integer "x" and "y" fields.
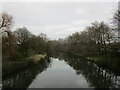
{"x": 58, "y": 19}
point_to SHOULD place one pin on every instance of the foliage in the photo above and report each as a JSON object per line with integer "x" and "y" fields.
{"x": 95, "y": 39}
{"x": 23, "y": 38}
{"x": 8, "y": 38}
{"x": 38, "y": 44}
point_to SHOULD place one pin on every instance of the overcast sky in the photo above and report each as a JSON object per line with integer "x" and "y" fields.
{"x": 59, "y": 19}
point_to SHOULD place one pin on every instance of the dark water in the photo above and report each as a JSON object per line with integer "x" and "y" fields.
{"x": 63, "y": 71}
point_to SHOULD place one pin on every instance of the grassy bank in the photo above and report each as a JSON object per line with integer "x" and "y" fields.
{"x": 11, "y": 66}
{"x": 110, "y": 62}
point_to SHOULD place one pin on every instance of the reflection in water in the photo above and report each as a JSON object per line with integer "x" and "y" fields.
{"x": 69, "y": 71}
{"x": 59, "y": 75}
{"x": 96, "y": 76}
{"x": 24, "y": 78}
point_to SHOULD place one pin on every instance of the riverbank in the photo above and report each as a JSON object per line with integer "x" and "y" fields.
{"x": 106, "y": 61}
{"x": 12, "y": 66}
{"x": 111, "y": 62}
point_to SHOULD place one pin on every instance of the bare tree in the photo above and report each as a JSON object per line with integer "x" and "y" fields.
{"x": 8, "y": 37}
{"x": 23, "y": 38}
{"x": 116, "y": 21}
{"x": 6, "y": 21}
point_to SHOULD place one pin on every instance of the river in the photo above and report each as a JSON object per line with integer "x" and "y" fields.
{"x": 63, "y": 71}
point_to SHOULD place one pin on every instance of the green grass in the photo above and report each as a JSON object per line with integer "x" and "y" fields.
{"x": 108, "y": 61}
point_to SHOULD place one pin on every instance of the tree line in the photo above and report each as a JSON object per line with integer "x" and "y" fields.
{"x": 97, "y": 39}
{"x": 99, "y": 42}
{"x": 21, "y": 42}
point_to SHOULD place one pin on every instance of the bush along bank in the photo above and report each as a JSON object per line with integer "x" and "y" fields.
{"x": 13, "y": 66}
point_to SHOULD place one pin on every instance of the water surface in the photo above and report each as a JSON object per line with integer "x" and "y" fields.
{"x": 63, "y": 71}
{"x": 59, "y": 75}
